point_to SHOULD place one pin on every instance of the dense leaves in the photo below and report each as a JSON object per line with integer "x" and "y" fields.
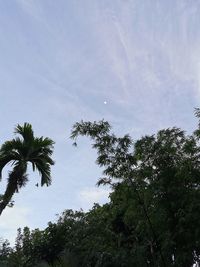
{"x": 152, "y": 218}
{"x": 19, "y": 152}
{"x": 163, "y": 172}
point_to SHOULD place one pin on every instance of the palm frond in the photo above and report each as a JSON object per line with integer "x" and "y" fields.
{"x": 3, "y": 163}
{"x": 5, "y": 159}
{"x": 44, "y": 170}
{"x": 12, "y": 145}
{"x": 25, "y": 131}
{"x": 40, "y": 155}
{"x": 20, "y": 151}
{"x": 45, "y": 143}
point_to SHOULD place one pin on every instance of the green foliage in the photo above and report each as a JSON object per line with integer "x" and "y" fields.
{"x": 153, "y": 215}
{"x": 163, "y": 173}
{"x": 18, "y": 152}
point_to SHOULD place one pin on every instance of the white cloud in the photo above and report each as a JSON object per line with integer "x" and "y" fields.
{"x": 11, "y": 219}
{"x": 90, "y": 195}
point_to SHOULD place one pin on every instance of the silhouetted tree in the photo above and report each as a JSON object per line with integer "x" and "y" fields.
{"x": 18, "y": 152}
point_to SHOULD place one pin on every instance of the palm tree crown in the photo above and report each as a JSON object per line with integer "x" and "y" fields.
{"x": 21, "y": 151}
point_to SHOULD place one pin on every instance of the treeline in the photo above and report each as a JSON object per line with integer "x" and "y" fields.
{"x": 114, "y": 234}
{"x": 152, "y": 219}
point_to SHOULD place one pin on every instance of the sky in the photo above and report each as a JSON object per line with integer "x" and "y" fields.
{"x": 135, "y": 63}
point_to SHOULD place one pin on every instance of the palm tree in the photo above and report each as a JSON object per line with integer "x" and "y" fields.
{"x": 19, "y": 152}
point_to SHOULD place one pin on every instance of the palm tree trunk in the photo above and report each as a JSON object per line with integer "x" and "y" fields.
{"x": 10, "y": 190}
{"x": 15, "y": 180}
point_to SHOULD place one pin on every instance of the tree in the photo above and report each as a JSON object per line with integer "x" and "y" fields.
{"x": 19, "y": 152}
{"x": 163, "y": 173}
{"x": 153, "y": 215}
{"x": 5, "y": 251}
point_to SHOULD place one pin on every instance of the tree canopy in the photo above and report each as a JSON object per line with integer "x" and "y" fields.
{"x": 152, "y": 218}
{"x": 162, "y": 171}
{"x": 19, "y": 152}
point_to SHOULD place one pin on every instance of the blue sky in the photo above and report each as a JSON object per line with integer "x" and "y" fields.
{"x": 61, "y": 60}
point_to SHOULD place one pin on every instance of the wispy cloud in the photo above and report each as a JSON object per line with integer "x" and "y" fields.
{"x": 62, "y": 59}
